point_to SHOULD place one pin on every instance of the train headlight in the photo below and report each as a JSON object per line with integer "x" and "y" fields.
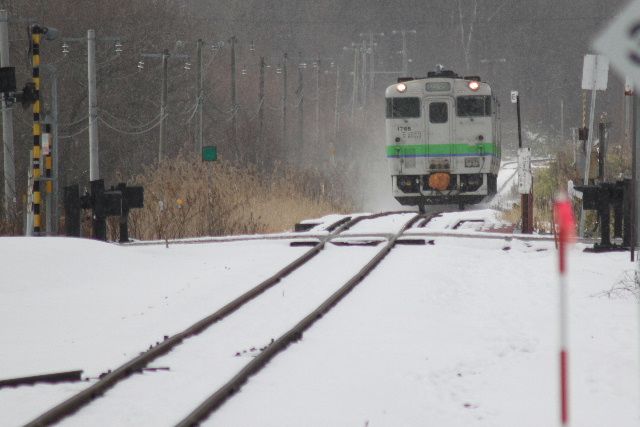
{"x": 439, "y": 181}
{"x": 401, "y": 87}
{"x": 474, "y": 85}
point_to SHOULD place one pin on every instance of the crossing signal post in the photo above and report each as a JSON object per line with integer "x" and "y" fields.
{"x": 8, "y": 87}
{"x": 7, "y": 80}
{"x": 117, "y": 201}
{"x": 35, "y": 49}
{"x": 31, "y": 95}
{"x": 595, "y": 74}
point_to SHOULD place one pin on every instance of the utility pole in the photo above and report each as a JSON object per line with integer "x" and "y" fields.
{"x": 258, "y": 149}
{"x": 200, "y": 90}
{"x": 371, "y": 52}
{"x": 405, "y": 60}
{"x": 354, "y": 91}
{"x": 234, "y": 98}
{"x": 300, "y": 145}
{"x": 405, "y": 55}
{"x": 94, "y": 164}
{"x": 317, "y": 63}
{"x": 285, "y": 101}
{"x": 234, "y": 92}
{"x": 331, "y": 140}
{"x": 200, "y": 95}
{"x": 7, "y": 128}
{"x": 259, "y": 144}
{"x": 363, "y": 71}
{"x": 363, "y": 85}
{"x": 336, "y": 119}
{"x": 304, "y": 151}
{"x": 94, "y": 152}
{"x": 372, "y": 59}
{"x": 164, "y": 90}
{"x": 163, "y": 104}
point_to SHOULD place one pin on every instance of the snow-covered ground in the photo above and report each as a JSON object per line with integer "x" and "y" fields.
{"x": 460, "y": 332}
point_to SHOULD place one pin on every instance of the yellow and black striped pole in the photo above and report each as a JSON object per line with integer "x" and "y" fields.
{"x": 48, "y": 160}
{"x": 35, "y": 49}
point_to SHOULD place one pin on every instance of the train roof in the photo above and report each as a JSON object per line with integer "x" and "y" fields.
{"x": 444, "y": 74}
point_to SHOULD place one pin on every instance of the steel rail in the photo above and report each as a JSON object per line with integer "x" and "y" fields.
{"x": 204, "y": 410}
{"x": 297, "y": 235}
{"x": 137, "y": 364}
{"x": 242, "y": 238}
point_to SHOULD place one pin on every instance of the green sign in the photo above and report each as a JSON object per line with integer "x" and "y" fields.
{"x": 209, "y": 154}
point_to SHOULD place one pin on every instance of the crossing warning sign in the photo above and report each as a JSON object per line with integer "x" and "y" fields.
{"x": 620, "y": 41}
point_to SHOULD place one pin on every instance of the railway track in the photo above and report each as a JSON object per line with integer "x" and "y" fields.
{"x": 290, "y": 302}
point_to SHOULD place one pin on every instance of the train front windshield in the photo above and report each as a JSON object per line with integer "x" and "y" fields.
{"x": 473, "y": 106}
{"x": 403, "y": 108}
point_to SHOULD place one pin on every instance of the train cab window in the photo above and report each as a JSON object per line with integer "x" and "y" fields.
{"x": 403, "y": 108}
{"x": 473, "y": 106}
{"x": 438, "y": 112}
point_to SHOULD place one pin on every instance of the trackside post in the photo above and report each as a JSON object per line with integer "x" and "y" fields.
{"x": 565, "y": 228}
{"x": 210, "y": 154}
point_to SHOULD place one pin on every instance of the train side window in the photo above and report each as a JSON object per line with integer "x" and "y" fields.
{"x": 473, "y": 106}
{"x": 403, "y": 108}
{"x": 438, "y": 112}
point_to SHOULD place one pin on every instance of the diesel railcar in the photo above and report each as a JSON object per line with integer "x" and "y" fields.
{"x": 443, "y": 140}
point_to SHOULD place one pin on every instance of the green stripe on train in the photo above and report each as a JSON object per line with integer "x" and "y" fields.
{"x": 441, "y": 150}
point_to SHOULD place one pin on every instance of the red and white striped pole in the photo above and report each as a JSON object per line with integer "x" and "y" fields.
{"x": 566, "y": 231}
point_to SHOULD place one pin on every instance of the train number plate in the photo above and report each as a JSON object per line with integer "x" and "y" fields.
{"x": 416, "y": 134}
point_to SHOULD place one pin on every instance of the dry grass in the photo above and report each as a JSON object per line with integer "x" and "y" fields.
{"x": 10, "y": 224}
{"x": 542, "y": 217}
{"x": 513, "y": 215}
{"x": 188, "y": 198}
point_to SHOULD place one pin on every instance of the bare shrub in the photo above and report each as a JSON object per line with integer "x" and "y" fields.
{"x": 627, "y": 285}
